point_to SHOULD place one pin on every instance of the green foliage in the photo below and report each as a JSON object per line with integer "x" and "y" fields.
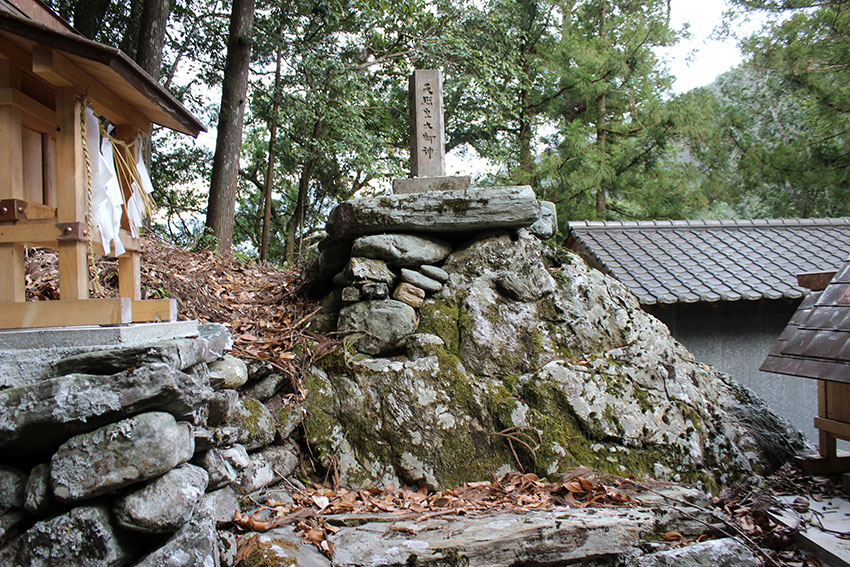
{"x": 568, "y": 96}
{"x": 780, "y": 144}
{"x": 342, "y": 106}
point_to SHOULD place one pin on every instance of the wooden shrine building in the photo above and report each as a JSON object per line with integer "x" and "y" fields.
{"x": 816, "y": 344}
{"x": 49, "y": 74}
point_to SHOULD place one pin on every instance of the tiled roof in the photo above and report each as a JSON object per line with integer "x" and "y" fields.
{"x": 815, "y": 343}
{"x": 712, "y": 260}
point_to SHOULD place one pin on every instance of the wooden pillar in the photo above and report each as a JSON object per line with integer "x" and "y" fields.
{"x": 12, "y": 280}
{"x": 826, "y": 442}
{"x": 71, "y": 194}
{"x": 130, "y": 275}
{"x": 129, "y": 264}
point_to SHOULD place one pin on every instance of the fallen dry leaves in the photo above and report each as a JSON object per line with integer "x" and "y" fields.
{"x": 313, "y": 509}
{"x": 259, "y": 304}
{"x": 748, "y": 508}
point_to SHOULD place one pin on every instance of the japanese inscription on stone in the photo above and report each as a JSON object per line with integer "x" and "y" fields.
{"x": 427, "y": 135}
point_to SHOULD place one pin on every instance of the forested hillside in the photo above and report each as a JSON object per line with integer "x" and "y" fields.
{"x": 568, "y": 96}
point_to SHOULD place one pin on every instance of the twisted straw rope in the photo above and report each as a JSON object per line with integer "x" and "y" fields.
{"x": 84, "y": 103}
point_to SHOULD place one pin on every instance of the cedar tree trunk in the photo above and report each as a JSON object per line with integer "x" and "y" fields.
{"x": 222, "y": 199}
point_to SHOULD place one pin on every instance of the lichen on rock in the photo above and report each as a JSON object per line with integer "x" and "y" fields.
{"x": 541, "y": 363}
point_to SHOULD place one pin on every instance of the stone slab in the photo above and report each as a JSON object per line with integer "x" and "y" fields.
{"x": 442, "y": 183}
{"x": 27, "y": 355}
{"x": 556, "y": 537}
{"x": 95, "y": 336}
{"x": 476, "y": 209}
{"x": 833, "y": 515}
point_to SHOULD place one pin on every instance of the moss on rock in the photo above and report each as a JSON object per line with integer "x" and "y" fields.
{"x": 255, "y": 423}
{"x": 577, "y": 375}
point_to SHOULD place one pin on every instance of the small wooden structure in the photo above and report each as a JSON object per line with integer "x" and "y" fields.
{"x": 48, "y": 73}
{"x": 816, "y": 344}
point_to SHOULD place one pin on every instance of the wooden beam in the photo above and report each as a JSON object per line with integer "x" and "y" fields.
{"x": 154, "y": 310}
{"x": 821, "y": 465}
{"x": 46, "y": 234}
{"x": 29, "y": 233}
{"x": 13, "y": 280}
{"x": 34, "y": 115}
{"x": 127, "y": 240}
{"x": 839, "y": 429}
{"x": 130, "y": 276}
{"x": 815, "y": 281}
{"x": 31, "y": 314}
{"x": 60, "y": 71}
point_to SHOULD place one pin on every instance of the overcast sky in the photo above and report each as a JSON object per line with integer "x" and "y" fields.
{"x": 708, "y": 57}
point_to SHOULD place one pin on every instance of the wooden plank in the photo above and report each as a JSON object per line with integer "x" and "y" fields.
{"x": 46, "y": 234}
{"x": 840, "y": 429}
{"x": 815, "y": 281}
{"x": 29, "y": 233}
{"x": 48, "y": 152}
{"x": 33, "y": 167}
{"x": 130, "y": 276}
{"x": 60, "y": 71}
{"x": 13, "y": 281}
{"x": 34, "y": 115}
{"x": 31, "y": 314}
{"x": 11, "y": 154}
{"x": 820, "y": 465}
{"x": 39, "y": 211}
{"x": 154, "y": 310}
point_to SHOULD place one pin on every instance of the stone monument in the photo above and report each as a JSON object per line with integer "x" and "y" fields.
{"x": 427, "y": 138}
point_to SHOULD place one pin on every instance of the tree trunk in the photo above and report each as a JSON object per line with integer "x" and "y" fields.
{"x": 269, "y": 180}
{"x": 152, "y": 36}
{"x": 89, "y": 16}
{"x": 602, "y": 133}
{"x": 130, "y": 40}
{"x": 601, "y": 139}
{"x": 297, "y": 214}
{"x": 222, "y": 199}
{"x": 525, "y": 135}
{"x": 526, "y": 112}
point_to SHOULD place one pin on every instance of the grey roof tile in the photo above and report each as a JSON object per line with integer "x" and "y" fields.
{"x": 714, "y": 260}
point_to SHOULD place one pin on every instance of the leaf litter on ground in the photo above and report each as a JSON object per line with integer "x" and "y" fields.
{"x": 266, "y": 314}
{"x": 261, "y": 305}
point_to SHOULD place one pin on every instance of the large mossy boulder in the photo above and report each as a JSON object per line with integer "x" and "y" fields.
{"x": 528, "y": 358}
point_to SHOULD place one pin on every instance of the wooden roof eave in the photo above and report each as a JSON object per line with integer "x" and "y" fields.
{"x": 120, "y": 72}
